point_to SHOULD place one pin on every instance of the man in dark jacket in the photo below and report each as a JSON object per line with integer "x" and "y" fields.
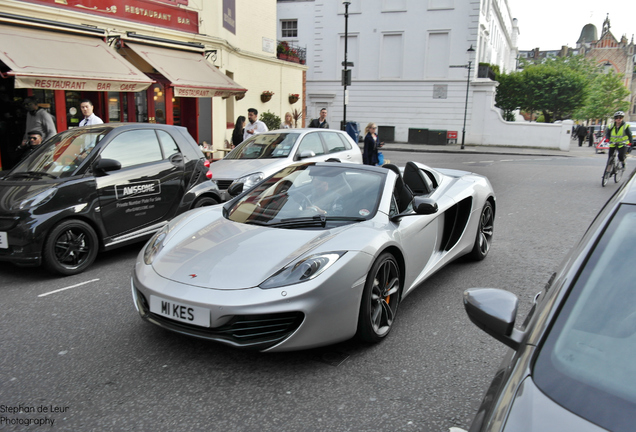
{"x": 320, "y": 122}
{"x": 581, "y": 132}
{"x": 34, "y": 139}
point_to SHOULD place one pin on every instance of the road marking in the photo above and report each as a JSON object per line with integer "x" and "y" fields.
{"x": 68, "y": 287}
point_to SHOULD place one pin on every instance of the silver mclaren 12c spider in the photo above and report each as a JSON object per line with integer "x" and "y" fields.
{"x": 315, "y": 254}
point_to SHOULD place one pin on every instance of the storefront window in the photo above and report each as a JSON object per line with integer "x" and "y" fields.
{"x": 141, "y": 107}
{"x": 73, "y": 111}
{"x": 176, "y": 111}
{"x": 159, "y": 96}
{"x": 114, "y": 112}
{"x": 124, "y": 107}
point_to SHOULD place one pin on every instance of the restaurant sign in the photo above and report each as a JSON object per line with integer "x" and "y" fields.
{"x": 78, "y": 84}
{"x": 142, "y": 11}
{"x": 206, "y": 92}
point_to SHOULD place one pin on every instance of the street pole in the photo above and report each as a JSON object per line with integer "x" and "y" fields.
{"x": 345, "y": 74}
{"x": 466, "y": 103}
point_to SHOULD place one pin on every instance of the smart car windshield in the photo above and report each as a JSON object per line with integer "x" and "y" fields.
{"x": 265, "y": 146}
{"x": 587, "y": 362}
{"x": 60, "y": 156}
{"x": 310, "y": 196}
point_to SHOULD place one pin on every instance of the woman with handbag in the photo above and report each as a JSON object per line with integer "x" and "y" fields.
{"x": 371, "y": 155}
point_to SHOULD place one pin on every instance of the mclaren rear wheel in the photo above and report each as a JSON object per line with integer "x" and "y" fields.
{"x": 485, "y": 231}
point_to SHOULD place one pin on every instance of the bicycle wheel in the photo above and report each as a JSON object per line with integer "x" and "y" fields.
{"x": 618, "y": 173}
{"x": 609, "y": 168}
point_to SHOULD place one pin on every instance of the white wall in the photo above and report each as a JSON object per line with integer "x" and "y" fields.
{"x": 489, "y": 128}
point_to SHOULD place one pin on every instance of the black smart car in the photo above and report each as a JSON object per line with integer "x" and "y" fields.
{"x": 96, "y": 188}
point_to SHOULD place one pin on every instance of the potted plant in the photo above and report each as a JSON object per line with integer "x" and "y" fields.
{"x": 239, "y": 96}
{"x": 293, "y": 98}
{"x": 281, "y": 50}
{"x": 266, "y": 96}
{"x": 296, "y": 115}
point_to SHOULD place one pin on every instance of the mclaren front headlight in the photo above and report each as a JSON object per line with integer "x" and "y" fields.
{"x": 303, "y": 270}
{"x": 155, "y": 244}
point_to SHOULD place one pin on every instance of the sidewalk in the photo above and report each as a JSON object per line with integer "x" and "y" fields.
{"x": 575, "y": 150}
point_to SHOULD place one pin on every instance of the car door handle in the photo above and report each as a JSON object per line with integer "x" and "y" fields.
{"x": 177, "y": 159}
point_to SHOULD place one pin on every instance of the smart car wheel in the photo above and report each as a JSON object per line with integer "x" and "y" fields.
{"x": 484, "y": 233}
{"x": 70, "y": 247}
{"x": 380, "y": 299}
{"x": 204, "y": 202}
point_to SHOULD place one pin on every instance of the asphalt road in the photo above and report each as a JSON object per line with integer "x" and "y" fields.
{"x": 82, "y": 359}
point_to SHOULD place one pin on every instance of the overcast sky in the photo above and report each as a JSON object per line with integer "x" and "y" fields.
{"x": 549, "y": 24}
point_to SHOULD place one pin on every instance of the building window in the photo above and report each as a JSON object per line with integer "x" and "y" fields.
{"x": 289, "y": 28}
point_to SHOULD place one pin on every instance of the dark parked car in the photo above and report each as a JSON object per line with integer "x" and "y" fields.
{"x": 572, "y": 364}
{"x": 97, "y": 188}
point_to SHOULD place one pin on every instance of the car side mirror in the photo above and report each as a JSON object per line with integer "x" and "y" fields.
{"x": 235, "y": 189}
{"x": 307, "y": 154}
{"x": 106, "y": 165}
{"x": 424, "y": 206}
{"x": 494, "y": 311}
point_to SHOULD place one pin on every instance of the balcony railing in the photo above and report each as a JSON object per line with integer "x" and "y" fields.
{"x": 292, "y": 53}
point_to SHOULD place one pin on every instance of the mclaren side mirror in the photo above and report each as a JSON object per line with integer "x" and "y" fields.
{"x": 494, "y": 311}
{"x": 235, "y": 189}
{"x": 424, "y": 206}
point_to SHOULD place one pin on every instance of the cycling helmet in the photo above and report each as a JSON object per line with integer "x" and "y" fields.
{"x": 619, "y": 114}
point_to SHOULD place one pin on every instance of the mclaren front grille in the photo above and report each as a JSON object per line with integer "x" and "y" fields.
{"x": 256, "y": 332}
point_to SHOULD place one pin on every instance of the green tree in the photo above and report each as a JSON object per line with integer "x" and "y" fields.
{"x": 607, "y": 95}
{"x": 508, "y": 97}
{"x": 557, "y": 88}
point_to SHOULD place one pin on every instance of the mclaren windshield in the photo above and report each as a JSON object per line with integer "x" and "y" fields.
{"x": 311, "y": 196}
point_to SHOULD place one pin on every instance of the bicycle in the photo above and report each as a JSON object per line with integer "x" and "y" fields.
{"x": 613, "y": 168}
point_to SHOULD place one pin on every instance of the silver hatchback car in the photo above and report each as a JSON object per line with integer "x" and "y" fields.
{"x": 264, "y": 154}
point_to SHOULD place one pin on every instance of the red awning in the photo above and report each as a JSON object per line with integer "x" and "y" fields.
{"x": 190, "y": 73}
{"x": 42, "y": 59}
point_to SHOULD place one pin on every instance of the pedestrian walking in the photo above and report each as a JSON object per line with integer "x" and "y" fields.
{"x": 38, "y": 118}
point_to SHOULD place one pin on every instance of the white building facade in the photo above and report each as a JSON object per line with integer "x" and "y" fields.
{"x": 408, "y": 57}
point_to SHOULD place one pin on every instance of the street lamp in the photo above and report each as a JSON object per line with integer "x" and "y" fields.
{"x": 469, "y": 51}
{"x": 469, "y": 67}
{"x": 346, "y": 72}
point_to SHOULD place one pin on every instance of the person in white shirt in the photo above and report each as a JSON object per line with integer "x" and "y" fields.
{"x": 254, "y": 125}
{"x": 89, "y": 117}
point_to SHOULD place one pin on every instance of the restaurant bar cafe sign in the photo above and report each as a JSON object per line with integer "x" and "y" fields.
{"x": 141, "y": 11}
{"x": 78, "y": 84}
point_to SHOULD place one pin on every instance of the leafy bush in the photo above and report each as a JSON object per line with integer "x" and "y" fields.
{"x": 271, "y": 120}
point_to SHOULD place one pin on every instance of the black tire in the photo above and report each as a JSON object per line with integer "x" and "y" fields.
{"x": 607, "y": 173}
{"x": 380, "y": 299}
{"x": 485, "y": 231}
{"x": 204, "y": 202}
{"x": 70, "y": 247}
{"x": 618, "y": 174}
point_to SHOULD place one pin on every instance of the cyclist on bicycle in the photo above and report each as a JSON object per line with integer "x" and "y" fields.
{"x": 619, "y": 136}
